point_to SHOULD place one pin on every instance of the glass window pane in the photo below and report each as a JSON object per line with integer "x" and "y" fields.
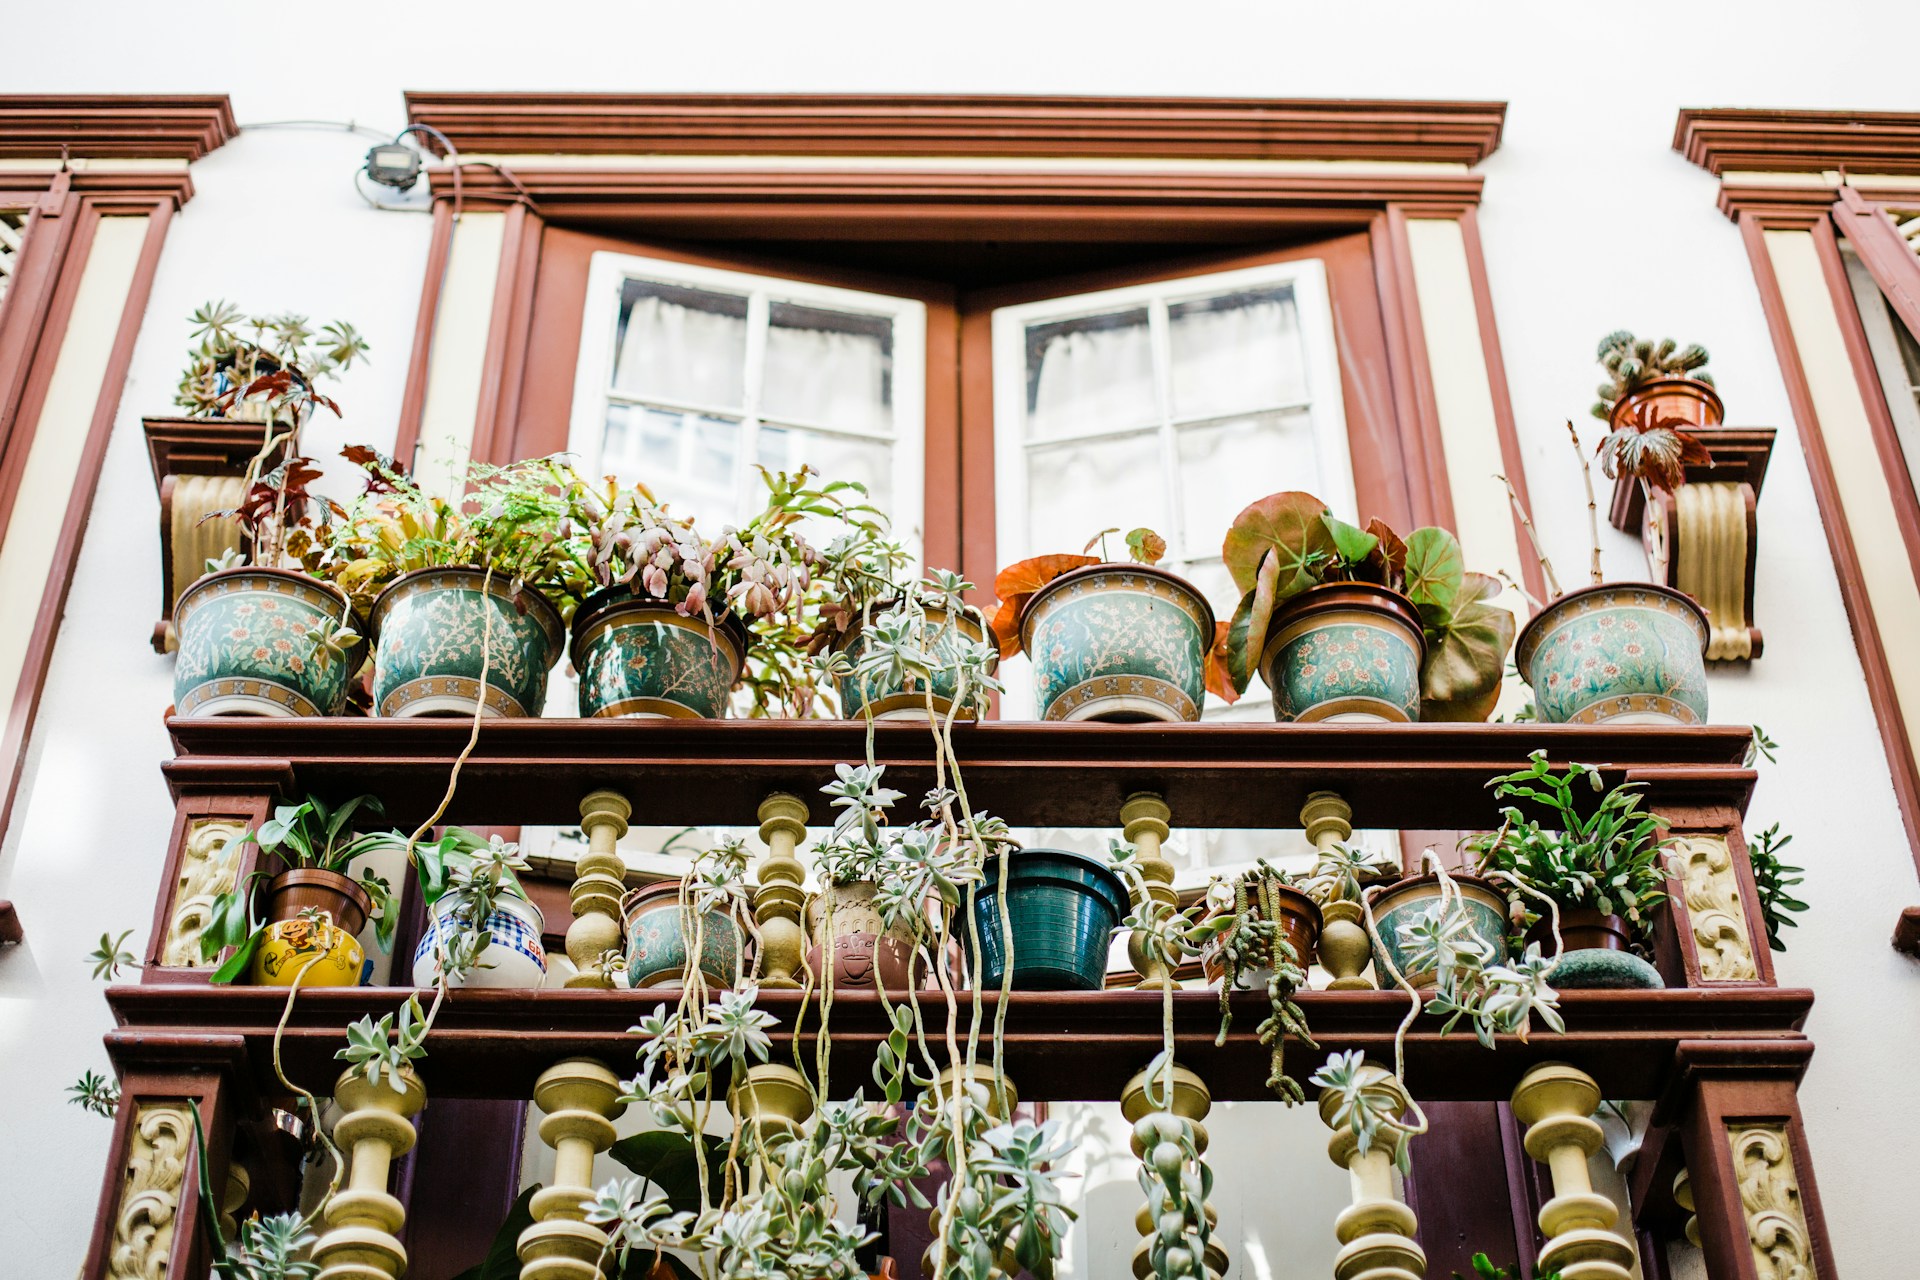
{"x": 867, "y": 462}
{"x": 686, "y": 459}
{"x": 1236, "y": 351}
{"x": 681, "y": 344}
{"x": 1225, "y": 465}
{"x": 829, "y": 367}
{"x": 1094, "y": 373}
{"x": 1076, "y": 490}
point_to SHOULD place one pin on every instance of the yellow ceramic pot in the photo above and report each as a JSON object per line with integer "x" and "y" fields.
{"x": 287, "y": 947}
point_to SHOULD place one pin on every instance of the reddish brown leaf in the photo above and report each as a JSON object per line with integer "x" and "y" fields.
{"x": 1006, "y": 623}
{"x": 1219, "y": 672}
{"x": 1027, "y": 576}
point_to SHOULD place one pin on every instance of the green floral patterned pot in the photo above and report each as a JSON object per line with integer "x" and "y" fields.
{"x": 428, "y": 627}
{"x": 1118, "y": 642}
{"x": 1626, "y": 653}
{"x": 639, "y": 658}
{"x": 1063, "y": 908}
{"x": 906, "y": 699}
{"x": 1345, "y": 651}
{"x": 1408, "y": 901}
{"x": 657, "y": 947}
{"x": 250, "y": 646}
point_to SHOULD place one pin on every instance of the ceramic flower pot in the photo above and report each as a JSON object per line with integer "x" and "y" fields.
{"x": 250, "y": 646}
{"x": 1118, "y": 642}
{"x": 1299, "y": 923}
{"x": 1063, "y": 908}
{"x": 1595, "y": 952}
{"x": 514, "y": 956}
{"x": 866, "y": 955}
{"x": 1406, "y": 902}
{"x": 907, "y": 699}
{"x": 773, "y": 1098}
{"x": 428, "y": 630}
{"x": 657, "y": 948}
{"x": 639, "y": 658}
{"x": 344, "y": 901}
{"x": 1621, "y": 653}
{"x": 1345, "y": 651}
{"x": 1693, "y": 403}
{"x": 320, "y": 948}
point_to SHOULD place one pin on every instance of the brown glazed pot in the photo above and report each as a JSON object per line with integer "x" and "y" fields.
{"x": 1299, "y": 921}
{"x": 865, "y": 955}
{"x": 1694, "y": 403}
{"x": 291, "y": 892}
{"x": 1581, "y": 929}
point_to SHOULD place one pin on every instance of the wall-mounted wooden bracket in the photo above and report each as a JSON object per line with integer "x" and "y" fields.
{"x": 199, "y": 467}
{"x": 1703, "y": 538}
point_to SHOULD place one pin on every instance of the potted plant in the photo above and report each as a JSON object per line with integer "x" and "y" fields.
{"x": 1264, "y": 920}
{"x": 476, "y": 903}
{"x": 701, "y": 917}
{"x": 1599, "y": 874}
{"x": 462, "y": 594}
{"x": 930, "y": 616}
{"x": 1064, "y": 907}
{"x": 1346, "y": 623}
{"x": 1655, "y": 382}
{"x": 313, "y": 908}
{"x": 1109, "y": 640}
{"x": 226, "y": 374}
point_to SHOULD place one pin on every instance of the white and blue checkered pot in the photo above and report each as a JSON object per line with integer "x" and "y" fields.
{"x": 513, "y": 958}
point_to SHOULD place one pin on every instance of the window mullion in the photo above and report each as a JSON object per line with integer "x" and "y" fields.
{"x": 759, "y": 312}
{"x": 1160, "y": 341}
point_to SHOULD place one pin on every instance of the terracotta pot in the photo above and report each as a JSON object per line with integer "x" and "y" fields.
{"x": 1582, "y": 929}
{"x": 1299, "y": 921}
{"x": 1125, "y": 642}
{"x": 1406, "y": 900}
{"x": 866, "y": 955}
{"x": 249, "y": 646}
{"x": 428, "y": 626}
{"x": 291, "y": 892}
{"x": 1345, "y": 651}
{"x": 1622, "y": 653}
{"x": 886, "y": 699}
{"x": 637, "y": 658}
{"x": 657, "y": 949}
{"x": 1693, "y": 402}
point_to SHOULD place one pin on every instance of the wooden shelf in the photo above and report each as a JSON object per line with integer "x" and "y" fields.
{"x": 1032, "y": 774}
{"x": 1059, "y": 1046}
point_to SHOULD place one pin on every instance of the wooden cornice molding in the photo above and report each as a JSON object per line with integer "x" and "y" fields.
{"x": 125, "y": 126}
{"x": 1722, "y": 138}
{"x": 906, "y": 125}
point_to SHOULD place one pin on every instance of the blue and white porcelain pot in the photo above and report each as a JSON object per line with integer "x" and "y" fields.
{"x": 514, "y": 957}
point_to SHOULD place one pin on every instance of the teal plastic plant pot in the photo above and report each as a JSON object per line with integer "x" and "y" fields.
{"x": 1123, "y": 642}
{"x": 1063, "y": 907}
{"x": 1620, "y": 653}
{"x": 428, "y": 628}
{"x": 1406, "y": 902}
{"x": 1345, "y": 651}
{"x": 878, "y": 695}
{"x": 250, "y": 645}
{"x": 637, "y": 658}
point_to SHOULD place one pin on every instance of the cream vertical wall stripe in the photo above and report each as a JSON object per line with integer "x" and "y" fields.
{"x": 66, "y": 419}
{"x": 1857, "y": 474}
{"x": 1469, "y": 431}
{"x": 459, "y": 349}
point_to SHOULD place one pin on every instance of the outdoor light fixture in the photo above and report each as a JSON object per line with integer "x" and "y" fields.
{"x": 394, "y": 164}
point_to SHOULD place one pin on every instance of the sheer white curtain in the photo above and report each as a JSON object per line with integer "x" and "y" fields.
{"x": 831, "y": 378}
{"x": 684, "y": 353}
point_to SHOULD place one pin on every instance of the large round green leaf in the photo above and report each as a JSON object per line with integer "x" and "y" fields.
{"x": 1466, "y": 653}
{"x": 1288, "y": 526}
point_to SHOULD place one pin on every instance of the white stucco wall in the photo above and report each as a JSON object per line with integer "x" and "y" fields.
{"x": 1590, "y": 222}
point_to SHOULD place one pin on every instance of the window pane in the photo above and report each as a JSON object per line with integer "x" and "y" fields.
{"x": 1236, "y": 351}
{"x": 686, "y": 345}
{"x": 867, "y": 462}
{"x": 1076, "y": 490}
{"x": 687, "y": 459}
{"x": 829, "y": 367}
{"x": 1225, "y": 465}
{"x": 1094, "y": 373}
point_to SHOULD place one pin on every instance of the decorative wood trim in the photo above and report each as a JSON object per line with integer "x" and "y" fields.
{"x": 505, "y": 362}
{"x": 159, "y": 126}
{"x": 931, "y": 125}
{"x": 1722, "y": 139}
{"x": 1883, "y": 250}
{"x": 413, "y": 397}
{"x": 1420, "y": 423}
{"x": 199, "y": 467}
{"x": 243, "y": 801}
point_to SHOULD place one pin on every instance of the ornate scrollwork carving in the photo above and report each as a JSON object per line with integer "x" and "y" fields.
{"x": 1715, "y": 912}
{"x": 1770, "y": 1196}
{"x": 207, "y": 870}
{"x": 150, "y": 1197}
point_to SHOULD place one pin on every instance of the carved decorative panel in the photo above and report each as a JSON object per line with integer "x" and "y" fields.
{"x": 1715, "y": 913}
{"x": 143, "y": 1225}
{"x": 1770, "y": 1198}
{"x": 207, "y": 870}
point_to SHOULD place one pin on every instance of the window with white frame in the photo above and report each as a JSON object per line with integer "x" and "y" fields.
{"x": 691, "y": 377}
{"x": 1170, "y": 405}
{"x": 1896, "y": 357}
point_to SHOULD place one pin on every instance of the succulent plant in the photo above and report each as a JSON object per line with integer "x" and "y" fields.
{"x": 1631, "y": 362}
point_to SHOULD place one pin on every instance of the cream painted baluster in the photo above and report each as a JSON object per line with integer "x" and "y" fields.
{"x": 581, "y": 1099}
{"x": 1191, "y": 1103}
{"x": 599, "y": 880}
{"x": 1556, "y": 1102}
{"x": 363, "y": 1221}
{"x": 1144, "y": 818}
{"x": 1376, "y": 1230}
{"x": 781, "y": 895}
{"x": 1344, "y": 947}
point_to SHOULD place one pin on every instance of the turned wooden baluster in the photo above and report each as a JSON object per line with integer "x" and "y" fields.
{"x": 781, "y": 896}
{"x": 1191, "y": 1103}
{"x": 599, "y": 880}
{"x": 581, "y": 1099}
{"x": 363, "y": 1221}
{"x": 1556, "y": 1102}
{"x": 1376, "y": 1231}
{"x": 1344, "y": 946}
{"x": 1144, "y": 817}
{"x": 1001, "y": 1102}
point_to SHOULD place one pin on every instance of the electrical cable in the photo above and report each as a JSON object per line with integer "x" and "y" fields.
{"x": 346, "y": 126}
